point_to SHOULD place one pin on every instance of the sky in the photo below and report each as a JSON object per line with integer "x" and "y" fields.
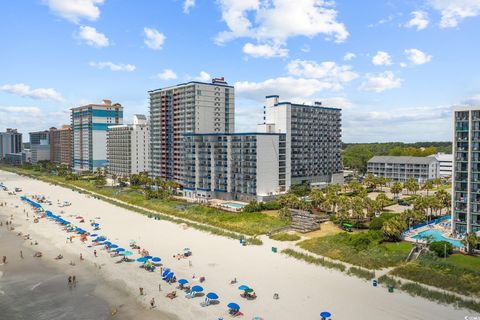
{"x": 395, "y": 67}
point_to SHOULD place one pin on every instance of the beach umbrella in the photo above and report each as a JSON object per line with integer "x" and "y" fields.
{"x": 100, "y": 239}
{"x": 249, "y": 290}
{"x": 142, "y": 259}
{"x": 94, "y": 235}
{"x": 127, "y": 253}
{"x": 107, "y": 243}
{"x": 95, "y": 224}
{"x": 119, "y": 249}
{"x": 165, "y": 272}
{"x": 233, "y": 306}
{"x": 243, "y": 287}
{"x": 212, "y": 296}
{"x": 148, "y": 257}
{"x": 183, "y": 281}
{"x": 197, "y": 289}
{"x": 325, "y": 314}
{"x": 113, "y": 246}
{"x": 156, "y": 259}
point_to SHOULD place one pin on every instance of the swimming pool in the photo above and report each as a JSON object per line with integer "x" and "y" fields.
{"x": 234, "y": 205}
{"x": 437, "y": 236}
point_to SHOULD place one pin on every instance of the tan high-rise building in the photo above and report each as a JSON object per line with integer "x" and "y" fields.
{"x": 61, "y": 145}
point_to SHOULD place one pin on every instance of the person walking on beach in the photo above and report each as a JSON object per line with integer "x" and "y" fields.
{"x": 69, "y": 280}
{"x": 141, "y": 291}
{"x": 95, "y": 253}
{"x": 74, "y": 280}
{"x": 81, "y": 257}
{"x": 152, "y": 303}
{"x": 4, "y": 259}
{"x": 21, "y": 254}
{"x": 159, "y": 287}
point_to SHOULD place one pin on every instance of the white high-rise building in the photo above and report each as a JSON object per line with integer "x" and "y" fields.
{"x": 10, "y": 142}
{"x": 128, "y": 147}
{"x": 193, "y": 107}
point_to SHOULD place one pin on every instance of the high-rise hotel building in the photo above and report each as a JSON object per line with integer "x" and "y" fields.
{"x": 313, "y": 140}
{"x": 193, "y": 107}
{"x": 89, "y": 125}
{"x": 128, "y": 147}
{"x": 466, "y": 170}
{"x": 10, "y": 142}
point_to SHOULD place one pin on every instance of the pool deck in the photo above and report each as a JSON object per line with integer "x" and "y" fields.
{"x": 446, "y": 233}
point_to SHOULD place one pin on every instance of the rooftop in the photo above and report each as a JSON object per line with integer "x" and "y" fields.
{"x": 402, "y": 159}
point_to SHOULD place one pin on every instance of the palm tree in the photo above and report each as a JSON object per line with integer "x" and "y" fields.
{"x": 412, "y": 185}
{"x": 444, "y": 198}
{"x": 344, "y": 206}
{"x": 372, "y": 207}
{"x": 382, "y": 200}
{"x": 393, "y": 228}
{"x": 396, "y": 189}
{"x": 317, "y": 197}
{"x": 470, "y": 242}
{"x": 428, "y": 185}
{"x": 371, "y": 181}
{"x": 289, "y": 200}
{"x": 357, "y": 205}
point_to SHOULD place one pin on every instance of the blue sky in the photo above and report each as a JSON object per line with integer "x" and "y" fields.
{"x": 394, "y": 67}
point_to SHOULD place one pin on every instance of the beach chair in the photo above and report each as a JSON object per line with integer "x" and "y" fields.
{"x": 205, "y": 303}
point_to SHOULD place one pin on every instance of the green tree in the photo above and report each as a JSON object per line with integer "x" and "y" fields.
{"x": 428, "y": 185}
{"x": 289, "y": 200}
{"x": 371, "y": 181}
{"x": 344, "y": 206}
{"x": 470, "y": 242}
{"x": 393, "y": 228}
{"x": 317, "y": 197}
{"x": 441, "y": 248}
{"x": 357, "y": 205}
{"x": 396, "y": 189}
{"x": 382, "y": 200}
{"x": 285, "y": 214}
{"x": 412, "y": 185}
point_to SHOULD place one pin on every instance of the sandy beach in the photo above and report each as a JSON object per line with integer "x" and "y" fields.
{"x": 304, "y": 290}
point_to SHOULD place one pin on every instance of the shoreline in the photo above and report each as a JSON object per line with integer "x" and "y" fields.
{"x": 304, "y": 290}
{"x": 29, "y": 276}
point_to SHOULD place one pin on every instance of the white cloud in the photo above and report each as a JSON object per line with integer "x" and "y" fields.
{"x": 74, "y": 10}
{"x": 416, "y": 56}
{"x": 327, "y": 70}
{"x": 187, "y": 5}
{"x": 382, "y": 58}
{"x": 305, "y": 48}
{"x": 419, "y": 20}
{"x": 167, "y": 74}
{"x": 24, "y": 90}
{"x": 92, "y": 37}
{"x": 336, "y": 102}
{"x": 380, "y": 82}
{"x": 472, "y": 101}
{"x": 203, "y": 76}
{"x": 113, "y": 66}
{"x": 154, "y": 39}
{"x": 349, "y": 56}
{"x": 264, "y": 50}
{"x": 454, "y": 11}
{"x": 286, "y": 87}
{"x": 33, "y": 111}
{"x": 266, "y": 20}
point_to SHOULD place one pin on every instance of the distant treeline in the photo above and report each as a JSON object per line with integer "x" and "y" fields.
{"x": 356, "y": 155}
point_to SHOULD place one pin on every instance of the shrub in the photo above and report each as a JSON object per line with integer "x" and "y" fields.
{"x": 314, "y": 260}
{"x": 361, "y": 273}
{"x": 441, "y": 248}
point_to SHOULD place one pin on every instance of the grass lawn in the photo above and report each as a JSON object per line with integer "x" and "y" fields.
{"x": 457, "y": 273}
{"x": 363, "y": 249}
{"x": 326, "y": 229}
{"x": 247, "y": 223}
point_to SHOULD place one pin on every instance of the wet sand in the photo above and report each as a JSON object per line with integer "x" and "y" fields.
{"x": 37, "y": 288}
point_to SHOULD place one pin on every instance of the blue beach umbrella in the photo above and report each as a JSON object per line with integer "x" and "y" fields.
{"x": 156, "y": 259}
{"x": 107, "y": 243}
{"x": 148, "y": 257}
{"x": 142, "y": 259}
{"x": 165, "y": 272}
{"x": 212, "y": 296}
{"x": 197, "y": 289}
{"x": 233, "y": 306}
{"x": 100, "y": 239}
{"x": 119, "y": 249}
{"x": 113, "y": 246}
{"x": 325, "y": 314}
{"x": 183, "y": 281}
{"x": 243, "y": 287}
{"x": 95, "y": 224}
